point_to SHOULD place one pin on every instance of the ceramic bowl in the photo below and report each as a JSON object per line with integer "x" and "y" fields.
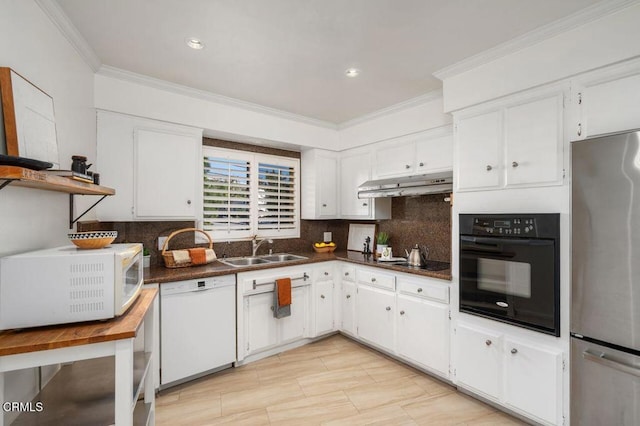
{"x": 93, "y": 239}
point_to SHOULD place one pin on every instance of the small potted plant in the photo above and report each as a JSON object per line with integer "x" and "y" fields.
{"x": 146, "y": 258}
{"x": 382, "y": 242}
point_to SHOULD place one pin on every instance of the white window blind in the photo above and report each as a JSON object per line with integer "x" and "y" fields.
{"x": 276, "y": 197}
{"x": 247, "y": 194}
{"x": 227, "y": 195}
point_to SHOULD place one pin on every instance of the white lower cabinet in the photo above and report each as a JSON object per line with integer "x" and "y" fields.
{"x": 348, "y": 308}
{"x": 375, "y": 312}
{"x": 525, "y": 377}
{"x": 423, "y": 332}
{"x": 323, "y": 303}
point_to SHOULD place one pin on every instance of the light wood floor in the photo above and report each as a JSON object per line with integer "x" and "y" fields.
{"x": 335, "y": 381}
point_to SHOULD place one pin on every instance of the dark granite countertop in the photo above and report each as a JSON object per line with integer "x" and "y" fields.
{"x": 160, "y": 274}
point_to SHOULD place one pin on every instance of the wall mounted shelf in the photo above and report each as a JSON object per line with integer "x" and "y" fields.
{"x": 19, "y": 176}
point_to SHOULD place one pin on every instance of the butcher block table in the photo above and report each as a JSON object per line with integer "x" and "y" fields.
{"x": 103, "y": 386}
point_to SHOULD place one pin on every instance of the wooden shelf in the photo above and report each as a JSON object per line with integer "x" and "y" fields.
{"x": 19, "y": 176}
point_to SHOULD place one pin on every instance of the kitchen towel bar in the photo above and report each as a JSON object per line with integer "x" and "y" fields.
{"x": 304, "y": 277}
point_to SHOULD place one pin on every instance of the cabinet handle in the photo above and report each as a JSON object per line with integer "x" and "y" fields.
{"x": 322, "y": 296}
{"x": 421, "y": 164}
{"x": 324, "y": 205}
{"x": 579, "y": 98}
{"x": 420, "y": 290}
{"x": 189, "y": 202}
{"x": 346, "y": 274}
{"x": 348, "y": 296}
{"x": 326, "y": 273}
{"x": 272, "y": 308}
{"x": 388, "y": 308}
{"x": 373, "y": 280}
{"x": 514, "y": 351}
{"x": 489, "y": 168}
{"x": 401, "y": 312}
{"x": 364, "y": 204}
{"x": 488, "y": 342}
{"x": 514, "y": 164}
{"x": 407, "y": 166}
{"x": 579, "y": 129}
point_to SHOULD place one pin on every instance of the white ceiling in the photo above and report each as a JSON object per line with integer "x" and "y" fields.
{"x": 291, "y": 54}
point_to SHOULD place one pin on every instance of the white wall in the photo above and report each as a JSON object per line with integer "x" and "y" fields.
{"x": 29, "y": 219}
{"x": 607, "y": 40}
{"x": 418, "y": 117}
{"x": 128, "y": 97}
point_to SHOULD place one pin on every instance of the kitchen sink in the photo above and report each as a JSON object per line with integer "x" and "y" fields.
{"x": 244, "y": 261}
{"x": 261, "y": 260}
{"x": 282, "y": 257}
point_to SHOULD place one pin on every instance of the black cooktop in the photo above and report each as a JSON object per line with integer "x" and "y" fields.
{"x": 431, "y": 265}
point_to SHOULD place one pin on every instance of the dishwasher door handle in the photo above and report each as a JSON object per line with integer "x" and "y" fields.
{"x": 601, "y": 359}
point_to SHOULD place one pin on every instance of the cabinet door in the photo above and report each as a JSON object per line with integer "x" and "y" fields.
{"x": 167, "y": 170}
{"x": 324, "y": 306}
{"x": 478, "y": 151}
{"x": 434, "y": 154}
{"x": 261, "y": 327}
{"x": 375, "y": 316}
{"x": 534, "y": 142}
{"x": 348, "y": 302}
{"x": 533, "y": 381}
{"x": 355, "y": 169}
{"x": 607, "y": 106}
{"x": 479, "y": 360}
{"x": 423, "y": 332}
{"x": 397, "y": 159}
{"x": 327, "y": 175}
{"x": 293, "y": 327}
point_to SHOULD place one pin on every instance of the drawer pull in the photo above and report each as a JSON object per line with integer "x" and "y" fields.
{"x": 322, "y": 296}
{"x": 401, "y": 312}
{"x": 346, "y": 274}
{"x": 326, "y": 273}
{"x": 388, "y": 308}
{"x": 514, "y": 351}
{"x": 488, "y": 342}
{"x": 348, "y": 296}
{"x": 272, "y": 308}
{"x": 373, "y": 280}
{"x": 420, "y": 290}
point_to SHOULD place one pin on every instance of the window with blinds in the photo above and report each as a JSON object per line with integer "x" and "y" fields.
{"x": 247, "y": 194}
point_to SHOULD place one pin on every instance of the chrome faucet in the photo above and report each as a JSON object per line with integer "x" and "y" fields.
{"x": 255, "y": 244}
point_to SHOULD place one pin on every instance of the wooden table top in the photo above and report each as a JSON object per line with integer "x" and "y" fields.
{"x": 62, "y": 336}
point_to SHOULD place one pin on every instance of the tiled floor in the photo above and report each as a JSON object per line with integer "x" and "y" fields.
{"x": 335, "y": 381}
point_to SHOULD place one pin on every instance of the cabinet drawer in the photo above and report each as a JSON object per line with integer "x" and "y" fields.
{"x": 426, "y": 290}
{"x": 377, "y": 279}
{"x": 348, "y": 273}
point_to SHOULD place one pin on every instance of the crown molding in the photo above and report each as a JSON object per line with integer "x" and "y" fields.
{"x": 410, "y": 103}
{"x": 582, "y": 17}
{"x": 60, "y": 19}
{"x": 120, "y": 74}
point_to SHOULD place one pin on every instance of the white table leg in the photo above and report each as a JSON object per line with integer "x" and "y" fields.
{"x": 124, "y": 383}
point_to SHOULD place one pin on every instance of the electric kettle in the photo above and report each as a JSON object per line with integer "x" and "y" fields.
{"x": 417, "y": 257}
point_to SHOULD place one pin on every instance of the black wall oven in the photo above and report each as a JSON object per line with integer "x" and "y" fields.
{"x": 510, "y": 269}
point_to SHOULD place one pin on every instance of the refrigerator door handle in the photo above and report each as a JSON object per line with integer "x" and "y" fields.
{"x": 602, "y": 359}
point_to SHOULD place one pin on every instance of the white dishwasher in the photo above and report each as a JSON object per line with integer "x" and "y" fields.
{"x": 197, "y": 327}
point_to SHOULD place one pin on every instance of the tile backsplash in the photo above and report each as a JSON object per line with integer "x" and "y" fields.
{"x": 425, "y": 220}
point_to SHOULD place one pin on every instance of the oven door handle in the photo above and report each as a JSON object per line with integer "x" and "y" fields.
{"x": 495, "y": 241}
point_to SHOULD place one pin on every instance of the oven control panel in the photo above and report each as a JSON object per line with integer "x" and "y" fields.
{"x": 505, "y": 226}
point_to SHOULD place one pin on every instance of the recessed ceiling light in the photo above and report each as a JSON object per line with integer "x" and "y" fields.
{"x": 194, "y": 43}
{"x": 352, "y": 72}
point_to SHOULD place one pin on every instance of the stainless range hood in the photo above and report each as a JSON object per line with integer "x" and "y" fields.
{"x": 434, "y": 183}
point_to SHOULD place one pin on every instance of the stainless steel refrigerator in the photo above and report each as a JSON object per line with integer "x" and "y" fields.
{"x": 605, "y": 275}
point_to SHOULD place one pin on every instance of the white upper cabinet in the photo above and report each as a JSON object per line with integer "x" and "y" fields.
{"x": 166, "y": 174}
{"x": 319, "y": 175}
{"x": 425, "y": 152}
{"x": 515, "y": 142}
{"x": 155, "y": 168}
{"x": 606, "y": 100}
{"x": 355, "y": 169}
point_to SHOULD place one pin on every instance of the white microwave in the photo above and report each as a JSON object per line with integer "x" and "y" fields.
{"x": 66, "y": 284}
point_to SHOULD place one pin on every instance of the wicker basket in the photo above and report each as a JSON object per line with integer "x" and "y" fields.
{"x": 167, "y": 255}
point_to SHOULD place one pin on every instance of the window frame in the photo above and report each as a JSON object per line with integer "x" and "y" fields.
{"x": 254, "y": 160}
